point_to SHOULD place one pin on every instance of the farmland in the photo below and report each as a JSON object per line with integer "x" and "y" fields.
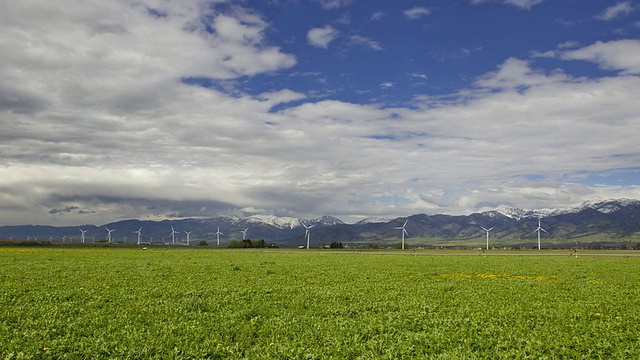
{"x": 202, "y": 303}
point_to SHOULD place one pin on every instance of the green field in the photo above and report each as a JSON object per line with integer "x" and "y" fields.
{"x": 203, "y": 303}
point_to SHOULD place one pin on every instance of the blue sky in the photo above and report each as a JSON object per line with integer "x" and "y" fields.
{"x": 154, "y": 109}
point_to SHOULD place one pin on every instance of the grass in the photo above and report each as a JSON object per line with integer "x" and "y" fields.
{"x": 203, "y": 303}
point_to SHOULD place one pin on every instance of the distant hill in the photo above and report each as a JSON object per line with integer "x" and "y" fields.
{"x": 589, "y": 222}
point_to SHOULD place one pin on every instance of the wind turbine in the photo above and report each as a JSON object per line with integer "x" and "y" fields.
{"x": 487, "y": 230}
{"x": 244, "y": 233}
{"x": 538, "y": 230}
{"x": 404, "y": 231}
{"x": 173, "y": 235}
{"x": 218, "y": 233}
{"x": 307, "y": 233}
{"x": 109, "y": 233}
{"x": 83, "y": 232}
{"x": 188, "y": 233}
{"x": 139, "y": 232}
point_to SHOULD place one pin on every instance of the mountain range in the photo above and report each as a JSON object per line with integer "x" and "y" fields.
{"x": 590, "y": 222}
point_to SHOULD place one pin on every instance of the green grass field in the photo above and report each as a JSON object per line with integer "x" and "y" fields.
{"x": 203, "y": 303}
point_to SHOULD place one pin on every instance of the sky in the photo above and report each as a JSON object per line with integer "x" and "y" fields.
{"x": 157, "y": 109}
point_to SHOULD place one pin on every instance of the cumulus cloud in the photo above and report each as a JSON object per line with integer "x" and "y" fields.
{"x": 108, "y": 119}
{"x": 523, "y": 4}
{"x": 377, "y": 16}
{"x": 322, "y": 37}
{"x": 623, "y": 55}
{"x": 366, "y": 42}
{"x": 334, "y": 4}
{"x": 416, "y": 12}
{"x": 615, "y": 11}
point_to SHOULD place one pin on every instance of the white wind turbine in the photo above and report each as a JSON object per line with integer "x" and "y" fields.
{"x": 188, "y": 233}
{"x": 83, "y": 232}
{"x": 538, "y": 230}
{"x": 173, "y": 235}
{"x": 487, "y": 230}
{"x": 404, "y": 231}
{"x": 109, "y": 231}
{"x": 244, "y": 233}
{"x": 307, "y": 233}
{"x": 218, "y": 233}
{"x": 139, "y": 232}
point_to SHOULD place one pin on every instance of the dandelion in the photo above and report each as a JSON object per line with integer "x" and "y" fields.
{"x": 45, "y": 349}
{"x": 271, "y": 344}
{"x": 219, "y": 345}
{"x": 599, "y": 314}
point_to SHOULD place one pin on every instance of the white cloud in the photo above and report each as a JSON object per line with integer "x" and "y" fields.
{"x": 365, "y": 41}
{"x": 420, "y": 76}
{"x": 282, "y": 96}
{"x": 377, "y": 16}
{"x": 334, "y": 4}
{"x": 416, "y": 12}
{"x": 623, "y": 55}
{"x": 322, "y": 37}
{"x": 515, "y": 73}
{"x": 524, "y": 4}
{"x": 615, "y": 11}
{"x": 97, "y": 126}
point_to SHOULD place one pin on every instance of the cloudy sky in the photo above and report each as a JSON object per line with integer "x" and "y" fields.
{"x": 157, "y": 109}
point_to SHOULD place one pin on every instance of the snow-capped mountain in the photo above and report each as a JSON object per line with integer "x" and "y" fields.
{"x": 373, "y": 220}
{"x": 605, "y": 207}
{"x": 613, "y": 219}
{"x": 279, "y": 222}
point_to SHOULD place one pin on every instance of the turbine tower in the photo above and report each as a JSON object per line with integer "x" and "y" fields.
{"x": 109, "y": 233}
{"x": 244, "y": 233}
{"x": 188, "y": 233}
{"x": 83, "y": 232}
{"x": 307, "y": 233}
{"x": 538, "y": 231}
{"x": 173, "y": 235}
{"x": 404, "y": 231}
{"x": 139, "y": 232}
{"x": 487, "y": 230}
{"x": 218, "y": 233}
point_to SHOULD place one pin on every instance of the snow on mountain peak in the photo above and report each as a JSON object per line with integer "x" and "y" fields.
{"x": 605, "y": 207}
{"x": 279, "y": 222}
{"x": 373, "y": 220}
